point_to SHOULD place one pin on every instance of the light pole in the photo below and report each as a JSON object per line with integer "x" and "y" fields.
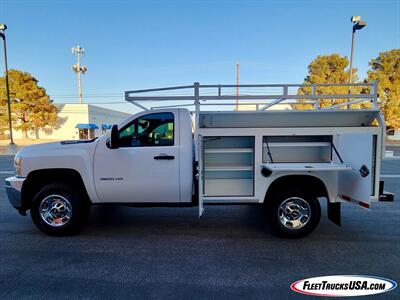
{"x": 3, "y": 27}
{"x": 358, "y": 24}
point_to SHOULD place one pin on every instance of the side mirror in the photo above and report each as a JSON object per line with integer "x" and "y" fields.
{"x": 114, "y": 137}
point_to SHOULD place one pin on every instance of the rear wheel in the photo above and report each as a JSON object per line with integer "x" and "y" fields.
{"x": 59, "y": 209}
{"x": 293, "y": 214}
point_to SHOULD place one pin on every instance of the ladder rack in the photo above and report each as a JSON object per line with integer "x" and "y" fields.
{"x": 260, "y": 97}
{"x": 264, "y": 96}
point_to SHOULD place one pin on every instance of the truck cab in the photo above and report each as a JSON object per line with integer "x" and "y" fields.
{"x": 152, "y": 163}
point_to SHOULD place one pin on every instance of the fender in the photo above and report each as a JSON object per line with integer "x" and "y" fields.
{"x": 58, "y": 155}
{"x": 324, "y": 179}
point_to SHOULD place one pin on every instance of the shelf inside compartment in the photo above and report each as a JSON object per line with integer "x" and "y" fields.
{"x": 228, "y": 168}
{"x": 311, "y": 144}
{"x": 230, "y": 160}
{"x": 297, "y": 149}
{"x": 228, "y": 165}
{"x": 228, "y": 150}
{"x": 228, "y": 187}
{"x": 333, "y": 167}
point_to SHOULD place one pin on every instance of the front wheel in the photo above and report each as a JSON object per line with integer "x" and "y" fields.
{"x": 292, "y": 214}
{"x": 59, "y": 209}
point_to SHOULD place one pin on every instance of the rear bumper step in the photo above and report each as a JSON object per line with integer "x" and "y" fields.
{"x": 383, "y": 195}
{"x": 386, "y": 197}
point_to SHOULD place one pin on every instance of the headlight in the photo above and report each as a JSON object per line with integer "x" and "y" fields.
{"x": 17, "y": 165}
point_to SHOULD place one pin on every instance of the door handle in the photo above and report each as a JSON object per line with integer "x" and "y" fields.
{"x": 164, "y": 156}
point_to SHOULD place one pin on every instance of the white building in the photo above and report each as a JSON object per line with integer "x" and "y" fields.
{"x": 78, "y": 121}
{"x": 279, "y": 106}
{"x": 393, "y": 134}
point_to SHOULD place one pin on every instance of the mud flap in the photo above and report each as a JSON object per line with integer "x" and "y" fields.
{"x": 334, "y": 213}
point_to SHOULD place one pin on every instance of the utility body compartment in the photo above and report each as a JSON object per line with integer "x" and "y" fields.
{"x": 288, "y": 118}
{"x": 340, "y": 147}
{"x": 228, "y": 166}
{"x": 346, "y": 159}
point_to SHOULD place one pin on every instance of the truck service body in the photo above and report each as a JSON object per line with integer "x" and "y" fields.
{"x": 282, "y": 160}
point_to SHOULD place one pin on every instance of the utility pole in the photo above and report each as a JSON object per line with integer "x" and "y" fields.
{"x": 3, "y": 27}
{"x": 78, "y": 69}
{"x": 237, "y": 86}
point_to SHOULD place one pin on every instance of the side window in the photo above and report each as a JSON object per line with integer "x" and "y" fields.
{"x": 149, "y": 130}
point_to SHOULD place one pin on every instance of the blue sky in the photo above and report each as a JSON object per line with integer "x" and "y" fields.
{"x": 140, "y": 44}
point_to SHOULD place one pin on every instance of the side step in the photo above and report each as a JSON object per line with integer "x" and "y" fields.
{"x": 222, "y": 201}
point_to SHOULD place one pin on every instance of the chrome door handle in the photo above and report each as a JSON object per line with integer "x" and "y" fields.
{"x": 164, "y": 157}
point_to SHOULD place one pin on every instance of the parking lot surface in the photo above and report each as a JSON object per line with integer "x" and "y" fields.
{"x": 147, "y": 253}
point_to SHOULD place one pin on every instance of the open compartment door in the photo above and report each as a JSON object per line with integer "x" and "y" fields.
{"x": 200, "y": 166}
{"x": 356, "y": 151}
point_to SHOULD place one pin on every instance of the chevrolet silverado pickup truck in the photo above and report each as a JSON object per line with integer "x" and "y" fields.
{"x": 284, "y": 161}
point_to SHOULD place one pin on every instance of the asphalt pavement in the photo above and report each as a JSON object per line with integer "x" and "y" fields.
{"x": 148, "y": 253}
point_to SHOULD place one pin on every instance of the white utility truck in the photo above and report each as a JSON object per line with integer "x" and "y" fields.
{"x": 324, "y": 146}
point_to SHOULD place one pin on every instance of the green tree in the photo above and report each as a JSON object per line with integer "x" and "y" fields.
{"x": 386, "y": 69}
{"x": 328, "y": 69}
{"x": 30, "y": 105}
{"x": 3, "y": 118}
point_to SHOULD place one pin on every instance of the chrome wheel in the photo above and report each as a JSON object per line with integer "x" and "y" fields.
{"x": 55, "y": 210}
{"x": 294, "y": 213}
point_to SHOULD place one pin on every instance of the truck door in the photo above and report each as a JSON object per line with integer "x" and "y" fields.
{"x": 146, "y": 166}
{"x": 356, "y": 151}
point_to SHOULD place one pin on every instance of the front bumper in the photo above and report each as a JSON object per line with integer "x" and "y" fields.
{"x": 13, "y": 188}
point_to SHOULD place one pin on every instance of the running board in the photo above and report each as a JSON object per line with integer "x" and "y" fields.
{"x": 229, "y": 201}
{"x": 223, "y": 201}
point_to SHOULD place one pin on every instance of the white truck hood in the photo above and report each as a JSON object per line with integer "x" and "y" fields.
{"x": 65, "y": 154}
{"x": 55, "y": 145}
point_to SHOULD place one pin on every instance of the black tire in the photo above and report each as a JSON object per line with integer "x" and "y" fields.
{"x": 77, "y": 204}
{"x": 276, "y": 216}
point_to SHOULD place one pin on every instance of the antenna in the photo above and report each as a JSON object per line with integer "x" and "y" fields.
{"x": 78, "y": 69}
